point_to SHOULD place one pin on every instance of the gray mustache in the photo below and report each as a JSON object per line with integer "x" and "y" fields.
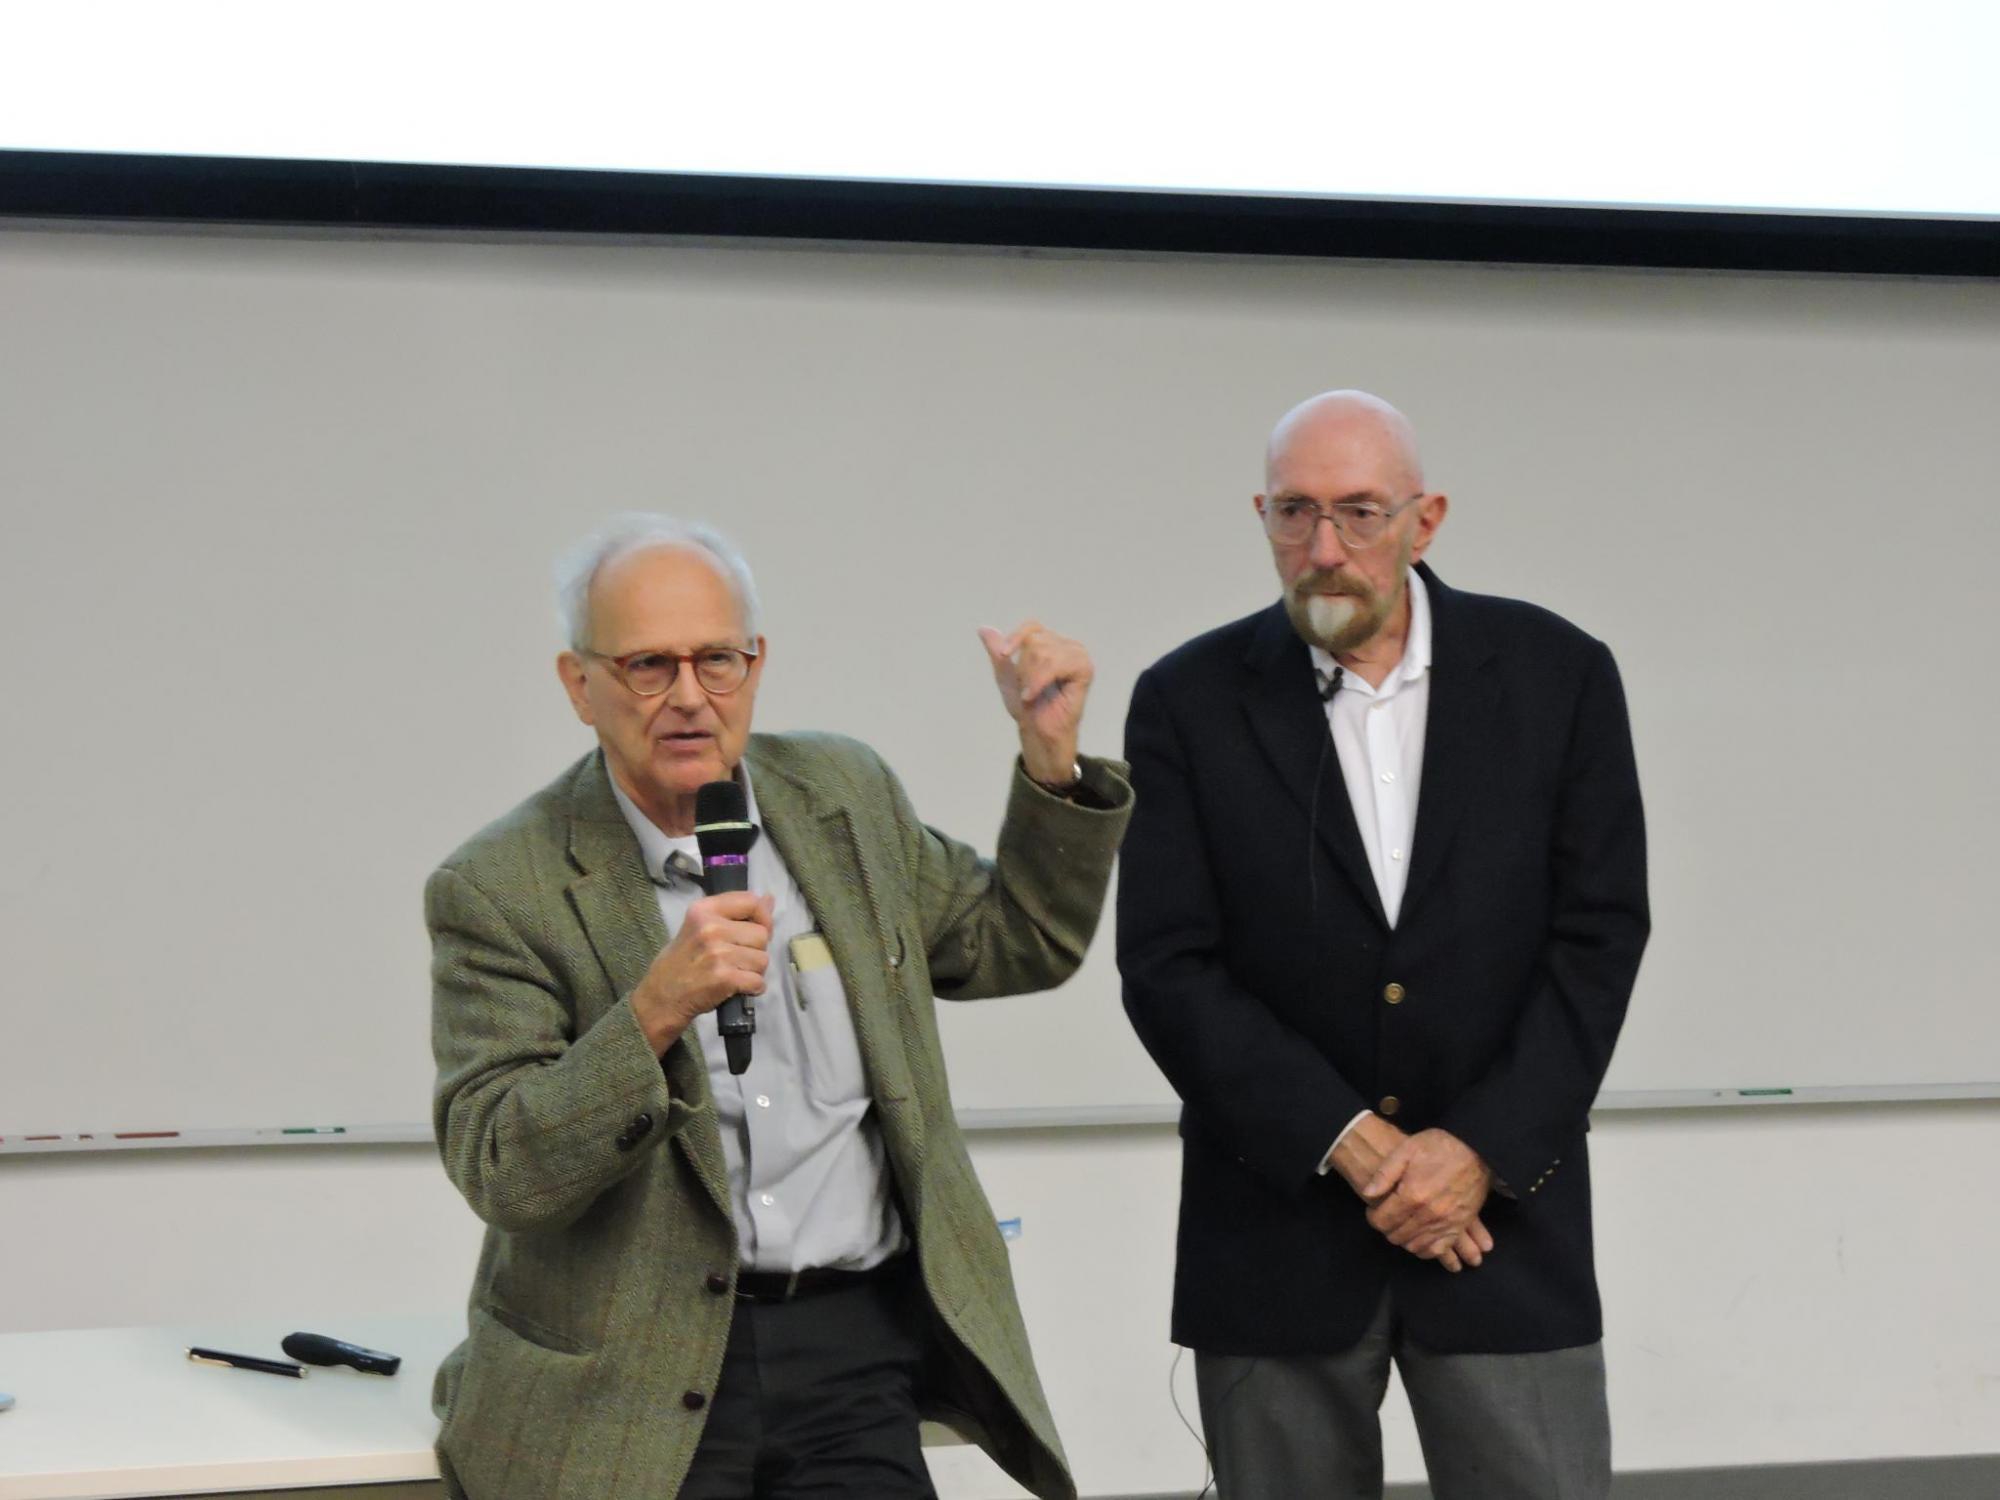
{"x": 1331, "y": 583}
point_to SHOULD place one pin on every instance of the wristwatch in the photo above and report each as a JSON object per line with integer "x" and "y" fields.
{"x": 1066, "y": 788}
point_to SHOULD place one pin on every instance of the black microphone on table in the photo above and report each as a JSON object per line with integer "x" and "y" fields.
{"x": 318, "y": 1349}
{"x": 724, "y": 833}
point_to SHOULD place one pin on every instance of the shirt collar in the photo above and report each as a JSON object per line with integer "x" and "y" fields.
{"x": 1416, "y": 647}
{"x": 654, "y": 843}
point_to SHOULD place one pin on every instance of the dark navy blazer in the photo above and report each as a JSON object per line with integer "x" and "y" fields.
{"x": 1260, "y": 972}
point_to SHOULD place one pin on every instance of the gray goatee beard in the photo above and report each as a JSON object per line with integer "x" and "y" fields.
{"x": 1332, "y": 618}
{"x": 1335, "y": 622}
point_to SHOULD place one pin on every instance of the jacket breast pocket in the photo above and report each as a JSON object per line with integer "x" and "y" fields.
{"x": 833, "y": 1067}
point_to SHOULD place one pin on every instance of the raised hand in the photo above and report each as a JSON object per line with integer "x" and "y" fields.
{"x": 1043, "y": 680}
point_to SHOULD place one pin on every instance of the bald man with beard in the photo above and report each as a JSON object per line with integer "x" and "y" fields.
{"x": 1383, "y": 902}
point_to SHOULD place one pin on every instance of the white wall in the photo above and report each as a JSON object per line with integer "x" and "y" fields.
{"x": 1781, "y": 1285}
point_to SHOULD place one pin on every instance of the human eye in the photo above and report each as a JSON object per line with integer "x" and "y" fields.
{"x": 649, "y": 672}
{"x": 1361, "y": 519}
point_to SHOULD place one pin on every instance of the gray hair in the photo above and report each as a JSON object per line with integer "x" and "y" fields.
{"x": 634, "y": 531}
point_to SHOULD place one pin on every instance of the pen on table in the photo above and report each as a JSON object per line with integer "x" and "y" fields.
{"x": 306, "y": 1130}
{"x": 247, "y": 1362}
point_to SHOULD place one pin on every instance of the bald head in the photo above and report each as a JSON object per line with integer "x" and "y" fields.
{"x": 1349, "y": 429}
{"x": 1347, "y": 458}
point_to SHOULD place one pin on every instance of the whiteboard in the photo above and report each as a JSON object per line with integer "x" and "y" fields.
{"x": 279, "y": 514}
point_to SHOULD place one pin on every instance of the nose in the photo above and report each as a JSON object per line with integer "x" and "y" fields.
{"x": 685, "y": 692}
{"x": 1325, "y": 549}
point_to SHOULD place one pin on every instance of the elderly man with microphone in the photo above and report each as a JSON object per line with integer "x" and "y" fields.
{"x": 715, "y": 1276}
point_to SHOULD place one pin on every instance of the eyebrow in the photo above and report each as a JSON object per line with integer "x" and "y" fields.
{"x": 669, "y": 650}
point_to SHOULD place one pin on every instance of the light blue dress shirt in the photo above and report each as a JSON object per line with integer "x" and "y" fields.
{"x": 809, "y": 1178}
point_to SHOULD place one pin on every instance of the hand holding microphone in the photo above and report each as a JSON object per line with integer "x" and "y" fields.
{"x": 719, "y": 954}
{"x": 721, "y": 949}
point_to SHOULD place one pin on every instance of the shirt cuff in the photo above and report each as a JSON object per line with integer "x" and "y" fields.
{"x": 1326, "y": 1161}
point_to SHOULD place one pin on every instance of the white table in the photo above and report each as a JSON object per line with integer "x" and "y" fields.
{"x": 114, "y": 1412}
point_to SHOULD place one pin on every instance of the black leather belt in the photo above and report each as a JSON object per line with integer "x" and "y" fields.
{"x": 789, "y": 1286}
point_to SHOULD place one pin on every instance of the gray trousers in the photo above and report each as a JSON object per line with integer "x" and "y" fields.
{"x": 1493, "y": 1426}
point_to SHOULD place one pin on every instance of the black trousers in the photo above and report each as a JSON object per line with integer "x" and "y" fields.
{"x": 818, "y": 1399}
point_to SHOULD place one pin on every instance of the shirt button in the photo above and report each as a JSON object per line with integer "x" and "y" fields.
{"x": 763, "y": 1101}
{"x": 1393, "y": 993}
{"x": 1396, "y": 854}
{"x": 694, "y": 1400}
{"x": 1388, "y": 775}
{"x": 766, "y": 1199}
{"x": 1389, "y": 1105}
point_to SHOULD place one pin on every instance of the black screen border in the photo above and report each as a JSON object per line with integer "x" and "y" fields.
{"x": 100, "y": 187}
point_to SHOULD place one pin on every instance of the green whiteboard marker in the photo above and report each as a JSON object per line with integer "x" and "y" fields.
{"x": 1763, "y": 1093}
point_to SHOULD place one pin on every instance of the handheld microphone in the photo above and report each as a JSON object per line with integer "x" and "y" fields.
{"x": 724, "y": 833}
{"x": 318, "y": 1349}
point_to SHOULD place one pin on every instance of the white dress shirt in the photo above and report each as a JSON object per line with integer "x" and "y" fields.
{"x": 809, "y": 1177}
{"x": 1378, "y": 737}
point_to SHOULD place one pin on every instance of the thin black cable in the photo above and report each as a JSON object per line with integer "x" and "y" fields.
{"x": 1327, "y": 689}
{"x": 1174, "y": 1395}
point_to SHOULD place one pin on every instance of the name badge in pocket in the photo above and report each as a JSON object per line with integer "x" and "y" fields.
{"x": 810, "y": 954}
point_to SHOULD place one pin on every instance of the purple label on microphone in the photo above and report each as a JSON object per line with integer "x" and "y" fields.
{"x": 725, "y": 859}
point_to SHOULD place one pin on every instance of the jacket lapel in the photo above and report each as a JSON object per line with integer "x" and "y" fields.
{"x": 1281, "y": 700}
{"x": 613, "y": 899}
{"x": 816, "y": 836}
{"x": 1458, "y": 724}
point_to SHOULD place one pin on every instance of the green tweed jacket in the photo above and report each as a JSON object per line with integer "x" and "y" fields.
{"x": 595, "y": 1333}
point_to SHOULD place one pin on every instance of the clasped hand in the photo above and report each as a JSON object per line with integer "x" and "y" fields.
{"x": 1424, "y": 1191}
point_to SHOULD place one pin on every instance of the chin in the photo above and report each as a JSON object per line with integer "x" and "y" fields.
{"x": 686, "y": 780}
{"x": 1334, "y": 624}
{"x": 1333, "y": 618}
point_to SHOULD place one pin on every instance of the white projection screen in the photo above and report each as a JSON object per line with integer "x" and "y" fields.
{"x": 1707, "y": 104}
{"x": 1750, "y": 135}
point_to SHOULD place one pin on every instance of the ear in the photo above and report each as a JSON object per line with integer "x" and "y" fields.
{"x": 1430, "y": 515}
{"x": 569, "y": 667}
{"x": 1257, "y": 504}
{"x": 757, "y": 662}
